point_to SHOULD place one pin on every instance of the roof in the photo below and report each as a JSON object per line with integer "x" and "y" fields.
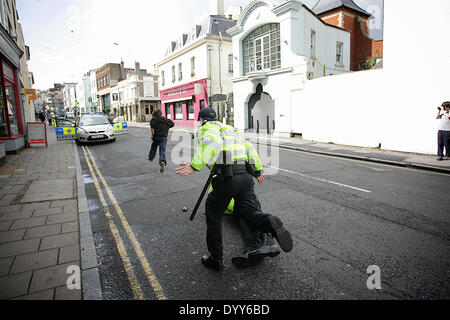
{"x": 212, "y": 25}
{"x": 327, "y": 5}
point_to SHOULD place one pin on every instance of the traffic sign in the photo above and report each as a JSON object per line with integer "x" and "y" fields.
{"x": 29, "y": 91}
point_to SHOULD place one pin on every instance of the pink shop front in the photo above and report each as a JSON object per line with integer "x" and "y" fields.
{"x": 182, "y": 104}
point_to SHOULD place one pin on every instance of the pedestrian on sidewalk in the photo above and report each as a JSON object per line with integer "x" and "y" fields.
{"x": 160, "y": 130}
{"x": 443, "y": 131}
{"x": 41, "y": 116}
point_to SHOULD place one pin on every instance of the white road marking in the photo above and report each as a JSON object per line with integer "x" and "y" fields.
{"x": 321, "y": 180}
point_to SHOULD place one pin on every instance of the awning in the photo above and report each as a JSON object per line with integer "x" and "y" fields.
{"x": 177, "y": 100}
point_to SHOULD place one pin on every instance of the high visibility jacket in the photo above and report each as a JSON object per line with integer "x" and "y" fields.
{"x": 215, "y": 137}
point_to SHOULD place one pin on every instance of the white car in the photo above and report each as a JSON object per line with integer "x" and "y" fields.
{"x": 95, "y": 128}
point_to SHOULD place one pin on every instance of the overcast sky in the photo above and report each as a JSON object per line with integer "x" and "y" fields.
{"x": 67, "y": 38}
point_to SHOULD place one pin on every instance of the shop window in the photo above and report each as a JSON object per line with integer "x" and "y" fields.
{"x": 178, "y": 109}
{"x": 4, "y": 131}
{"x": 9, "y": 117}
{"x": 168, "y": 115}
{"x": 190, "y": 110}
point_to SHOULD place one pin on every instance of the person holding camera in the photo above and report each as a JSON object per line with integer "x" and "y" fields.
{"x": 443, "y": 131}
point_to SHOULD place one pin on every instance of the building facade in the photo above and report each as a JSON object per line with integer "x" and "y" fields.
{"x": 347, "y": 15}
{"x": 276, "y": 49}
{"x": 12, "y": 112}
{"x": 70, "y": 97}
{"x": 107, "y": 77}
{"x": 197, "y": 70}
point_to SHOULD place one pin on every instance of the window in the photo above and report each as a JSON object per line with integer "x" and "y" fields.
{"x": 339, "y": 53}
{"x": 230, "y": 63}
{"x": 173, "y": 74}
{"x": 202, "y": 104}
{"x": 168, "y": 115}
{"x": 9, "y": 118}
{"x": 180, "y": 72}
{"x": 178, "y": 109}
{"x": 190, "y": 110}
{"x": 193, "y": 67}
{"x": 163, "y": 78}
{"x": 313, "y": 44}
{"x": 262, "y": 49}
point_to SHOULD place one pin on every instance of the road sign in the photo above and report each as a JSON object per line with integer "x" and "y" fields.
{"x": 32, "y": 97}
{"x": 29, "y": 91}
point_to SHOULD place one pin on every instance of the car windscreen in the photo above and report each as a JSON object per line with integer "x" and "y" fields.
{"x": 93, "y": 121}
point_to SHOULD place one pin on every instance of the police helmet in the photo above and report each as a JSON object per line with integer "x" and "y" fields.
{"x": 207, "y": 114}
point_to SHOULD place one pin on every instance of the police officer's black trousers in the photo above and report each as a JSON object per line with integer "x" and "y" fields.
{"x": 246, "y": 206}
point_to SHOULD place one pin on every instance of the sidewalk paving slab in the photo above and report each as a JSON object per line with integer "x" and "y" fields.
{"x": 39, "y": 228}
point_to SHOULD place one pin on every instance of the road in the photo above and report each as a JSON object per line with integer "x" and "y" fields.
{"x": 344, "y": 216}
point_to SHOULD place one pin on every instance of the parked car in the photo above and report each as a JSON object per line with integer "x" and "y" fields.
{"x": 93, "y": 128}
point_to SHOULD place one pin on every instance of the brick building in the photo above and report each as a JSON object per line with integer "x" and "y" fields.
{"x": 347, "y": 15}
{"x": 109, "y": 76}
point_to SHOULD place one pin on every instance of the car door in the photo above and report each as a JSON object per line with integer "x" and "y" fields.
{"x": 120, "y": 128}
{"x": 65, "y": 130}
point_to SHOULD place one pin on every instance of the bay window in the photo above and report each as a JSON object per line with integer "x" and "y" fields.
{"x": 262, "y": 49}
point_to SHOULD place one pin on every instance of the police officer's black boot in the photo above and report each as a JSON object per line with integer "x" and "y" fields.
{"x": 280, "y": 233}
{"x": 212, "y": 263}
{"x": 267, "y": 249}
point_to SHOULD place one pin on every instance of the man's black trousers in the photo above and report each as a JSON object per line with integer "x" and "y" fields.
{"x": 246, "y": 206}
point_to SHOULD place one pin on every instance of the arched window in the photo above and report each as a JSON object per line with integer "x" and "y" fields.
{"x": 262, "y": 49}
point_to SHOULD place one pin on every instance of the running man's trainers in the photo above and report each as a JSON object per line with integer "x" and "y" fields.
{"x": 162, "y": 167}
{"x": 281, "y": 234}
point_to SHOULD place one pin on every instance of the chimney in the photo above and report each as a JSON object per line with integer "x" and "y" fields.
{"x": 122, "y": 71}
{"x": 216, "y": 8}
{"x": 137, "y": 68}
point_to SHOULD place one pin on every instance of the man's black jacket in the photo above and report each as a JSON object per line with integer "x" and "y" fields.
{"x": 161, "y": 126}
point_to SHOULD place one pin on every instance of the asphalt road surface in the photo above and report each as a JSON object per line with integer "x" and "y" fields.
{"x": 345, "y": 216}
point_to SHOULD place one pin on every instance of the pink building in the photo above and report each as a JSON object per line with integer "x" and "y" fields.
{"x": 183, "y": 103}
{"x": 197, "y": 70}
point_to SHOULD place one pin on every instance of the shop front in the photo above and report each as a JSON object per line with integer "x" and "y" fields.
{"x": 11, "y": 110}
{"x": 182, "y": 104}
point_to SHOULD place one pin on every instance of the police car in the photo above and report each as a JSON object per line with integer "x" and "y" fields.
{"x": 93, "y": 128}
{"x": 89, "y": 128}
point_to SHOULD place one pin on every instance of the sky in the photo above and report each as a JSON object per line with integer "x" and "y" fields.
{"x": 67, "y": 38}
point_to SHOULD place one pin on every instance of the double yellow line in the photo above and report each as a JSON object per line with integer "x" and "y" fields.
{"x": 134, "y": 283}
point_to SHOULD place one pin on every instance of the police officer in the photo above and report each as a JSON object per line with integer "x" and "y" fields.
{"x": 234, "y": 161}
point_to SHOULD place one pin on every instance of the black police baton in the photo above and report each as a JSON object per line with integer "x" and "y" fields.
{"x": 199, "y": 201}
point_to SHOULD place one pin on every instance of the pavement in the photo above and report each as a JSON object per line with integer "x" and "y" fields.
{"x": 47, "y": 250}
{"x": 44, "y": 249}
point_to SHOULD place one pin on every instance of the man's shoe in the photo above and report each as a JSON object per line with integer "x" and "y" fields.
{"x": 245, "y": 261}
{"x": 440, "y": 159}
{"x": 265, "y": 250}
{"x": 212, "y": 263}
{"x": 241, "y": 261}
{"x": 149, "y": 159}
{"x": 162, "y": 167}
{"x": 281, "y": 234}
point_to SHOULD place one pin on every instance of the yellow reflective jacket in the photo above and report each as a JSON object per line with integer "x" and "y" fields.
{"x": 215, "y": 137}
